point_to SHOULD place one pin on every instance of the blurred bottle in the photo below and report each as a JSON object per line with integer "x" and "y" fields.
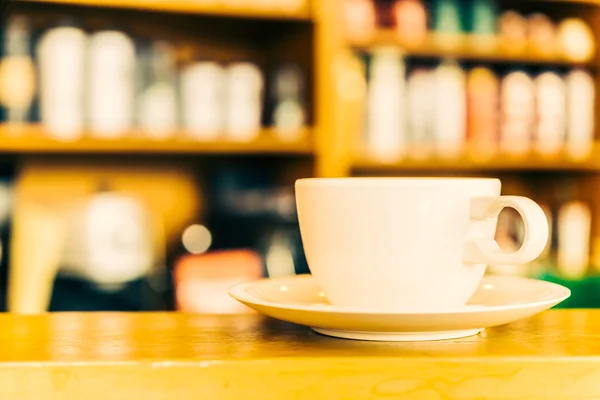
{"x": 574, "y": 227}
{"x": 551, "y": 113}
{"x": 244, "y": 95}
{"x": 483, "y": 112}
{"x": 420, "y": 88}
{"x": 111, "y": 84}
{"x": 203, "y": 100}
{"x": 448, "y": 24}
{"x": 450, "y": 109}
{"x": 17, "y": 71}
{"x": 517, "y": 118}
{"x": 576, "y": 40}
{"x": 289, "y": 115}
{"x": 62, "y": 58}
{"x": 543, "y": 39}
{"x": 581, "y": 98}
{"x": 157, "y": 104}
{"x": 411, "y": 22}
{"x": 359, "y": 20}
{"x": 386, "y": 136}
{"x": 512, "y": 30}
{"x": 482, "y": 26}
{"x": 384, "y": 11}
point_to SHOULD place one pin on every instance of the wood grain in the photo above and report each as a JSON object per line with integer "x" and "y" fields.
{"x": 555, "y": 355}
{"x": 34, "y": 139}
{"x": 234, "y": 8}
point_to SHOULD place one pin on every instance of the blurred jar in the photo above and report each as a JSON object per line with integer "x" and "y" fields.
{"x": 551, "y": 107}
{"x": 483, "y": 27}
{"x": 244, "y": 94}
{"x": 581, "y": 117}
{"x": 17, "y": 71}
{"x": 483, "y": 111}
{"x": 543, "y": 39}
{"x": 62, "y": 59}
{"x": 203, "y": 100}
{"x": 420, "y": 87}
{"x": 386, "y": 124}
{"x": 517, "y": 107}
{"x": 289, "y": 115}
{"x": 157, "y": 103}
{"x": 411, "y": 22}
{"x": 449, "y": 128}
{"x": 512, "y": 30}
{"x": 576, "y": 40}
{"x": 359, "y": 20}
{"x": 448, "y": 24}
{"x": 111, "y": 84}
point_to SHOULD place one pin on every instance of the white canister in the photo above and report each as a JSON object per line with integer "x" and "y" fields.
{"x": 61, "y": 53}
{"x": 111, "y": 84}
{"x": 244, "y": 93}
{"x": 157, "y": 105}
{"x": 551, "y": 104}
{"x": 581, "y": 120}
{"x": 202, "y": 100}
{"x": 386, "y": 123}
{"x": 449, "y": 123}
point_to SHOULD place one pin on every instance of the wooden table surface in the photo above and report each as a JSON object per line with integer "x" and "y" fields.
{"x": 555, "y": 355}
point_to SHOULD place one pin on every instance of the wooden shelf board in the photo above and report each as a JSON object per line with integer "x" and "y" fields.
{"x": 463, "y": 52}
{"x": 529, "y": 162}
{"x": 33, "y": 139}
{"x": 252, "y": 9}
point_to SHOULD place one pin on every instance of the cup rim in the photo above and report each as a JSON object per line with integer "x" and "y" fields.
{"x": 395, "y": 181}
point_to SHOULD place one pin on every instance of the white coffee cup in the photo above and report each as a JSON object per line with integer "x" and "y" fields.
{"x": 408, "y": 244}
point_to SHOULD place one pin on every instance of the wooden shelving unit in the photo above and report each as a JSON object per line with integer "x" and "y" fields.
{"x": 463, "y": 49}
{"x": 33, "y": 139}
{"x": 469, "y": 163}
{"x": 296, "y": 10}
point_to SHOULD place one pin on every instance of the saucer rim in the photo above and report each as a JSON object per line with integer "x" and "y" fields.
{"x": 239, "y": 293}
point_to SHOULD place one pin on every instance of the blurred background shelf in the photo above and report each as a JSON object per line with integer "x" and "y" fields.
{"x": 32, "y": 139}
{"x": 293, "y": 9}
{"x": 463, "y": 50}
{"x": 529, "y": 162}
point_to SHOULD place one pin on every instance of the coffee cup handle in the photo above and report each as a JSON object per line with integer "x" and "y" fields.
{"x": 487, "y": 251}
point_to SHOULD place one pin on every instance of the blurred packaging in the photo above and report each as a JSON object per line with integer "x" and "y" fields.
{"x": 202, "y": 281}
{"x": 17, "y": 71}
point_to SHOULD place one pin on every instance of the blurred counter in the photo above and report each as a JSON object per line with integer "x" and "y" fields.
{"x": 173, "y": 355}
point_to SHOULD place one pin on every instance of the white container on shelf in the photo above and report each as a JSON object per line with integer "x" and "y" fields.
{"x": 289, "y": 115}
{"x": 61, "y": 54}
{"x": 551, "y": 105}
{"x": 420, "y": 113}
{"x": 244, "y": 94}
{"x": 386, "y": 123}
{"x": 581, "y": 120}
{"x": 574, "y": 226}
{"x": 111, "y": 84}
{"x": 202, "y": 100}
{"x": 517, "y": 105}
{"x": 449, "y": 122}
{"x": 157, "y": 105}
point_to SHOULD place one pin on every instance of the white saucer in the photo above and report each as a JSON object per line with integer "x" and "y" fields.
{"x": 498, "y": 300}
